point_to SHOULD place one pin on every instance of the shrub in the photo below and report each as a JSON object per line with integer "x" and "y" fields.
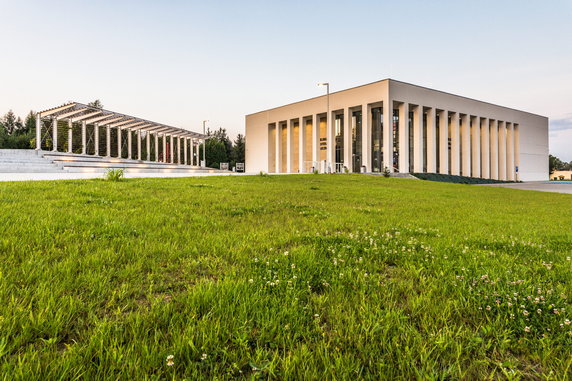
{"x": 114, "y": 174}
{"x": 386, "y": 172}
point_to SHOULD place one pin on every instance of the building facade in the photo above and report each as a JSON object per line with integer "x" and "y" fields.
{"x": 402, "y": 128}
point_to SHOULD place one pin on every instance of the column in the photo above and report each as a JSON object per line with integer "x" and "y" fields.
{"x": 388, "y": 135}
{"x": 108, "y": 140}
{"x": 119, "y": 142}
{"x": 192, "y": 151}
{"x": 186, "y": 141}
{"x": 171, "y": 149}
{"x": 444, "y": 142}
{"x": 156, "y": 147}
{"x": 289, "y": 146}
{"x": 502, "y": 151}
{"x": 418, "y": 139}
{"x": 516, "y": 152}
{"x": 164, "y": 148}
{"x": 55, "y": 134}
{"x": 70, "y": 136}
{"x": 83, "y": 138}
{"x": 466, "y": 145}
{"x": 38, "y": 131}
{"x": 278, "y": 166}
{"x": 347, "y": 141}
{"x": 301, "y": 145}
{"x": 476, "y": 147}
{"x": 315, "y": 142}
{"x": 404, "y": 138}
{"x": 494, "y": 135}
{"x": 510, "y": 152}
{"x": 96, "y": 139}
{"x": 148, "y": 145}
{"x": 331, "y": 143}
{"x": 138, "y": 144}
{"x": 129, "y": 153}
{"x": 366, "y": 137}
{"x": 485, "y": 149}
{"x": 431, "y": 142}
{"x": 455, "y": 144}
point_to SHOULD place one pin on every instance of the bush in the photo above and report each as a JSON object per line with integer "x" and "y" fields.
{"x": 386, "y": 172}
{"x": 114, "y": 174}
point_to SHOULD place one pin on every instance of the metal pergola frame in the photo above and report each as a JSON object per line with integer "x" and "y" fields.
{"x": 75, "y": 112}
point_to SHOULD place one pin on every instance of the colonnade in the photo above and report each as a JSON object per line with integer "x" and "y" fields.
{"x": 398, "y": 137}
{"x": 178, "y": 146}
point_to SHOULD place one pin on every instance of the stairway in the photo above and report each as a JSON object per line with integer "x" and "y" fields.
{"x": 26, "y": 161}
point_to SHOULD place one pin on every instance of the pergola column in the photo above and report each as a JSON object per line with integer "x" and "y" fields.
{"x": 418, "y": 139}
{"x": 70, "y": 136}
{"x": 192, "y": 153}
{"x": 403, "y": 138}
{"x": 55, "y": 134}
{"x": 186, "y": 142}
{"x": 431, "y": 142}
{"x": 108, "y": 140}
{"x": 502, "y": 151}
{"x": 455, "y": 144}
{"x": 129, "y": 156}
{"x": 138, "y": 144}
{"x": 119, "y": 142}
{"x": 164, "y": 139}
{"x": 388, "y": 135}
{"x": 148, "y": 145}
{"x": 156, "y": 146}
{"x": 171, "y": 149}
{"x": 494, "y": 135}
{"x": 83, "y": 138}
{"x": 366, "y": 137}
{"x": 510, "y": 152}
{"x": 444, "y": 142}
{"x": 38, "y": 131}
{"x": 485, "y": 149}
{"x": 178, "y": 139}
{"x": 96, "y": 139}
{"x": 476, "y": 147}
{"x": 466, "y": 145}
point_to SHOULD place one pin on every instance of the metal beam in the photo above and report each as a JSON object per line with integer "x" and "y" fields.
{"x": 71, "y": 113}
{"x": 123, "y": 122}
{"x": 82, "y": 117}
{"x": 97, "y": 119}
{"x": 106, "y": 122}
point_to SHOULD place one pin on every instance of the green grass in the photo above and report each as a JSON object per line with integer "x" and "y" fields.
{"x": 289, "y": 277}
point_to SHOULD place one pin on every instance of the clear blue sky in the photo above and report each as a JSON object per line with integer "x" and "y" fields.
{"x": 179, "y": 62}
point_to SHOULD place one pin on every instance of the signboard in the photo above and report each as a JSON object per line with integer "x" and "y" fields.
{"x": 224, "y": 166}
{"x": 240, "y": 167}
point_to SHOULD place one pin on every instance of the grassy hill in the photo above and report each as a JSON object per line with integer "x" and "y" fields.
{"x": 291, "y": 277}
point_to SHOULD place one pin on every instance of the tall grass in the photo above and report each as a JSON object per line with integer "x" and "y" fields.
{"x": 293, "y": 277}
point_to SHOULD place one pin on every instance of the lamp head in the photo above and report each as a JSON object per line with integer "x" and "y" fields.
{"x": 323, "y": 84}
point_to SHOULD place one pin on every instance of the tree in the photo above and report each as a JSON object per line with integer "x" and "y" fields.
{"x": 11, "y": 123}
{"x": 554, "y": 164}
{"x": 238, "y": 150}
{"x": 216, "y": 153}
{"x": 29, "y": 123}
{"x": 96, "y": 103}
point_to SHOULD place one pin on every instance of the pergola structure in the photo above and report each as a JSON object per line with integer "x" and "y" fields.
{"x": 76, "y": 128}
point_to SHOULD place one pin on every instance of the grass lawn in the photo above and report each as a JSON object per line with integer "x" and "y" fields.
{"x": 289, "y": 277}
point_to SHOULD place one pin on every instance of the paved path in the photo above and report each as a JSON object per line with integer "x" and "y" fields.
{"x": 543, "y": 186}
{"x": 76, "y": 176}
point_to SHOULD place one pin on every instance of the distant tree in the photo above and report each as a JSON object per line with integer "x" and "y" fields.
{"x": 222, "y": 137}
{"x": 96, "y": 103}
{"x": 11, "y": 123}
{"x": 216, "y": 153}
{"x": 238, "y": 150}
{"x": 29, "y": 123}
{"x": 555, "y": 164}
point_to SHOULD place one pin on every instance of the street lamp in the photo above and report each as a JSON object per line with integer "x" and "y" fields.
{"x": 327, "y": 84}
{"x": 204, "y": 144}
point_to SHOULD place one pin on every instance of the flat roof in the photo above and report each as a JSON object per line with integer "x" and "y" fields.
{"x": 402, "y": 82}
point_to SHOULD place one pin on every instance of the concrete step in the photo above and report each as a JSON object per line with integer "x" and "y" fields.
{"x": 30, "y": 170}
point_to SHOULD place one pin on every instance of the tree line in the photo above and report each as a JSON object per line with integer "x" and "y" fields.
{"x": 15, "y": 133}
{"x": 220, "y": 149}
{"x": 555, "y": 164}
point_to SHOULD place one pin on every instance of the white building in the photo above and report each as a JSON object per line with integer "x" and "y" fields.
{"x": 401, "y": 127}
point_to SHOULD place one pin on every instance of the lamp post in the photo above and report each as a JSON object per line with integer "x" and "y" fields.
{"x": 204, "y": 144}
{"x": 327, "y": 84}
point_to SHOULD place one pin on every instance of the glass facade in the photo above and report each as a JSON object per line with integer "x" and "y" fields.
{"x": 356, "y": 141}
{"x": 377, "y": 139}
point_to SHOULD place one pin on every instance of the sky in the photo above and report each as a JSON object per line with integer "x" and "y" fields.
{"x": 182, "y": 62}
